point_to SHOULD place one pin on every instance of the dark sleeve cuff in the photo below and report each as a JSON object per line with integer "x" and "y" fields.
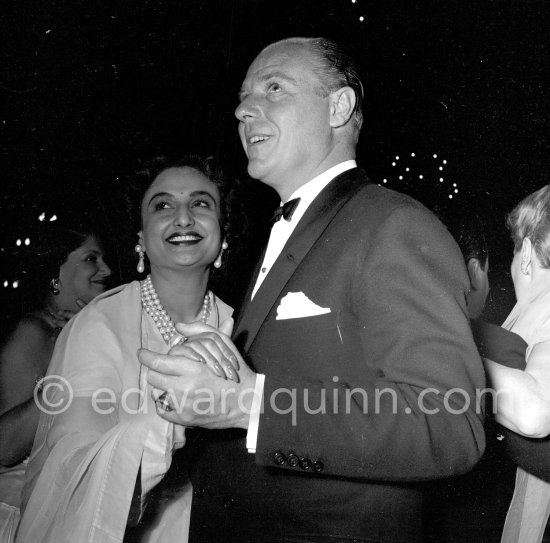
{"x": 499, "y": 344}
{"x": 507, "y": 348}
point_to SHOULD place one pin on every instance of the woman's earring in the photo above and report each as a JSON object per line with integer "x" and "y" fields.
{"x": 218, "y": 261}
{"x": 54, "y": 286}
{"x": 141, "y": 262}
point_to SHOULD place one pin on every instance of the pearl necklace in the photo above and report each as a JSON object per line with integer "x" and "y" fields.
{"x": 151, "y": 303}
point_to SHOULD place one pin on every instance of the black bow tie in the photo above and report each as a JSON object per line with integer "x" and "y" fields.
{"x": 286, "y": 211}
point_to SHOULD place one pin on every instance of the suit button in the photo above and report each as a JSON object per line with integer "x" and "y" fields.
{"x": 305, "y": 464}
{"x": 279, "y": 458}
{"x": 318, "y": 466}
{"x": 293, "y": 460}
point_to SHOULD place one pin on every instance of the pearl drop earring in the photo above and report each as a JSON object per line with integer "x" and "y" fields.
{"x": 218, "y": 261}
{"x": 141, "y": 262}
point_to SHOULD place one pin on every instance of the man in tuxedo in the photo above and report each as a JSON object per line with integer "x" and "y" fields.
{"x": 354, "y": 332}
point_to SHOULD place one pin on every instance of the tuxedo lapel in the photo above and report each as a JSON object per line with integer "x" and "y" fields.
{"x": 248, "y": 296}
{"x": 318, "y": 216}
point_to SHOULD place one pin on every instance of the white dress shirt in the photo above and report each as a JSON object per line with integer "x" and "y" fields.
{"x": 280, "y": 233}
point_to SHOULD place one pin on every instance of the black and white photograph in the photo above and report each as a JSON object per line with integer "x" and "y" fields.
{"x": 275, "y": 272}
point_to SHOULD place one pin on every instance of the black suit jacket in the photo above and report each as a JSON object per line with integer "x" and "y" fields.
{"x": 357, "y": 402}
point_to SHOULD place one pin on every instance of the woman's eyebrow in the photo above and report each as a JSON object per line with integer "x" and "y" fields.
{"x": 202, "y": 193}
{"x": 157, "y": 195}
{"x": 192, "y": 194}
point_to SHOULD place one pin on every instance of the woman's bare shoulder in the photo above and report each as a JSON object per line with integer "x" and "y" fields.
{"x": 26, "y": 353}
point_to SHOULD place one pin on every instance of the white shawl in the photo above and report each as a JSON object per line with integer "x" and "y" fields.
{"x": 85, "y": 460}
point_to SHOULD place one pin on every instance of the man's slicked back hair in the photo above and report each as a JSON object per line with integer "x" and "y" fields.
{"x": 336, "y": 69}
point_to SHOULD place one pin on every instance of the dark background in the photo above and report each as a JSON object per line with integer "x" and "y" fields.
{"x": 87, "y": 88}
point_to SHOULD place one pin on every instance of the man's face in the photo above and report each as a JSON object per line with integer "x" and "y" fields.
{"x": 284, "y": 121}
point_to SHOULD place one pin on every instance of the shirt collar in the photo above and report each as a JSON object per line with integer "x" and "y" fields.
{"x": 308, "y": 192}
{"x": 317, "y": 184}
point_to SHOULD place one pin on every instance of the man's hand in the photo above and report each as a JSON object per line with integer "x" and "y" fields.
{"x": 196, "y": 395}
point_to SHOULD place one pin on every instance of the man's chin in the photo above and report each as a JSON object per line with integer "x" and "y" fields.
{"x": 259, "y": 171}
{"x": 254, "y": 169}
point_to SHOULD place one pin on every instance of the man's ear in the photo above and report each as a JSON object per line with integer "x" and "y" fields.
{"x": 342, "y": 106}
{"x": 477, "y": 273}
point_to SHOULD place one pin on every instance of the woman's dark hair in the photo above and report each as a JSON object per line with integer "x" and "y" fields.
{"x": 38, "y": 264}
{"x": 146, "y": 175}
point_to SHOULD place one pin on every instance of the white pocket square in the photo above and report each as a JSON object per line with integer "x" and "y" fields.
{"x": 296, "y": 305}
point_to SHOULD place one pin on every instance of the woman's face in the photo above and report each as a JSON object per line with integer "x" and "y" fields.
{"x": 84, "y": 273}
{"x": 180, "y": 215}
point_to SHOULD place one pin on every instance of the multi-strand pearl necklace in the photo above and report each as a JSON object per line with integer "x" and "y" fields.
{"x": 151, "y": 303}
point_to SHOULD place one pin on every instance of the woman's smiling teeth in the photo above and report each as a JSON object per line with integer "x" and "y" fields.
{"x": 189, "y": 237}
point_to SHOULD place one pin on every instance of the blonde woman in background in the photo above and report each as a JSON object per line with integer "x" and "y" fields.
{"x": 523, "y": 396}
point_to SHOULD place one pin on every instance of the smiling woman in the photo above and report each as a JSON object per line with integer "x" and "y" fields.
{"x": 155, "y": 194}
{"x": 182, "y": 233}
{"x": 65, "y": 271}
{"x": 181, "y": 221}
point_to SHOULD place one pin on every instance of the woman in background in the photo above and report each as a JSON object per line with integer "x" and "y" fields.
{"x": 69, "y": 271}
{"x": 523, "y": 396}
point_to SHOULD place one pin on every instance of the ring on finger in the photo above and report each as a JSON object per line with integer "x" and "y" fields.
{"x": 178, "y": 339}
{"x": 163, "y": 402}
